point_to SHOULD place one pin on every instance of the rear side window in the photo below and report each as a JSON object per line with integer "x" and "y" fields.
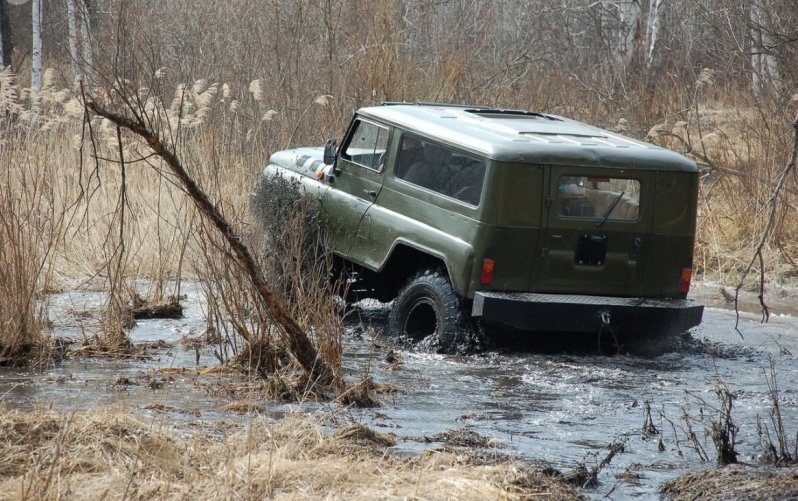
{"x": 441, "y": 170}
{"x": 367, "y": 145}
{"x": 614, "y": 199}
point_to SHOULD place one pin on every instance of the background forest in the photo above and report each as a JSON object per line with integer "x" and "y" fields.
{"x": 227, "y": 83}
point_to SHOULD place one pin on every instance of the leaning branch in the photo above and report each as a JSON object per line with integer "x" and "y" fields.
{"x": 299, "y": 344}
{"x": 773, "y": 202}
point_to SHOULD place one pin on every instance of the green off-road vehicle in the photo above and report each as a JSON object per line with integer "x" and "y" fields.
{"x": 468, "y": 216}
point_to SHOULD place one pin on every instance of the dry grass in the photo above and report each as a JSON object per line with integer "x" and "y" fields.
{"x": 115, "y": 216}
{"x": 740, "y": 149}
{"x": 734, "y": 482}
{"x": 250, "y": 103}
{"x": 106, "y": 454}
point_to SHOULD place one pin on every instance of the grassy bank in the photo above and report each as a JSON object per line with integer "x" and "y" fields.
{"x": 103, "y": 454}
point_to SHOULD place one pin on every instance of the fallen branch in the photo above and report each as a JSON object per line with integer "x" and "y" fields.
{"x": 294, "y": 336}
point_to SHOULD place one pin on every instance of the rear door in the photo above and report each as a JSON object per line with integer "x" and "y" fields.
{"x": 598, "y": 222}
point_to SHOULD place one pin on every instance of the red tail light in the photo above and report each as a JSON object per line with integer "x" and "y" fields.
{"x": 684, "y": 283}
{"x": 487, "y": 271}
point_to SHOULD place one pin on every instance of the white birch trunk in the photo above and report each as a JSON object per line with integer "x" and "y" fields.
{"x": 73, "y": 37}
{"x": 36, "y": 53}
{"x": 620, "y": 22}
{"x": 765, "y": 74}
{"x": 630, "y": 14}
{"x": 652, "y": 31}
{"x": 85, "y": 42}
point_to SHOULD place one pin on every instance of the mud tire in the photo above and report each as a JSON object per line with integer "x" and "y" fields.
{"x": 428, "y": 306}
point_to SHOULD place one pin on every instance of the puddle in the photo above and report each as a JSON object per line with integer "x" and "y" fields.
{"x": 563, "y": 409}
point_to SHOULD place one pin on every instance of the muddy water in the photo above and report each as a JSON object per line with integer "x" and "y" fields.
{"x": 563, "y": 409}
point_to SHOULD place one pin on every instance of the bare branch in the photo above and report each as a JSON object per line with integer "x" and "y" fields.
{"x": 296, "y": 339}
{"x": 773, "y": 202}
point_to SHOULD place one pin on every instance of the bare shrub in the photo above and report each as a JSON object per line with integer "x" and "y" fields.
{"x": 31, "y": 231}
{"x": 778, "y": 453}
{"x": 26, "y": 239}
{"x": 288, "y": 237}
{"x": 294, "y": 254}
{"x": 723, "y": 429}
{"x": 717, "y": 423}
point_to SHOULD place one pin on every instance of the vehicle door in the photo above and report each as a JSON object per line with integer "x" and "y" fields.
{"x": 356, "y": 183}
{"x": 597, "y": 226}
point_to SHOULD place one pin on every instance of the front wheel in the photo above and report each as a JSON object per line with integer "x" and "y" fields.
{"x": 428, "y": 307}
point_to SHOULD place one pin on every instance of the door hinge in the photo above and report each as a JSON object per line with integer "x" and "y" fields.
{"x": 547, "y": 202}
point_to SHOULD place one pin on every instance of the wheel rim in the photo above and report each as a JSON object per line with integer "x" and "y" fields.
{"x": 421, "y": 320}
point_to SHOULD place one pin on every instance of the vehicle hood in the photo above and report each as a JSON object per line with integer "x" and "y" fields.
{"x": 302, "y": 160}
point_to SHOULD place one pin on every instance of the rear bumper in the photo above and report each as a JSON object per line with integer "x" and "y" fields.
{"x": 587, "y": 314}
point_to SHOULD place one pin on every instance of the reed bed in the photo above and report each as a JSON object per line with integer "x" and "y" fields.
{"x": 121, "y": 217}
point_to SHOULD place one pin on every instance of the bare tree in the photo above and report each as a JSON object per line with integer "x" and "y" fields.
{"x": 622, "y": 21}
{"x": 85, "y": 40}
{"x": 653, "y": 28}
{"x": 36, "y": 52}
{"x": 5, "y": 37}
{"x": 765, "y": 72}
{"x": 73, "y": 37}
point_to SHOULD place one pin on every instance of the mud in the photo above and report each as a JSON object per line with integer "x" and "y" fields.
{"x": 562, "y": 411}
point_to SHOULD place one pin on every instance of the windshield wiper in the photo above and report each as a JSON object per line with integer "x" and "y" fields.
{"x": 610, "y": 209}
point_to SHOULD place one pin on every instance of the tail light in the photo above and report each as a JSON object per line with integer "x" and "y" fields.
{"x": 487, "y": 271}
{"x": 684, "y": 283}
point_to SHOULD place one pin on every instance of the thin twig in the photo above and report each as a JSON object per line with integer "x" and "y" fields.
{"x": 773, "y": 202}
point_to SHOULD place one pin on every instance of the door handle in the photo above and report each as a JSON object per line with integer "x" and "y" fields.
{"x": 371, "y": 193}
{"x": 556, "y": 237}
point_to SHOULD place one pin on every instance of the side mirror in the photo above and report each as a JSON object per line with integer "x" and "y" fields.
{"x": 330, "y": 152}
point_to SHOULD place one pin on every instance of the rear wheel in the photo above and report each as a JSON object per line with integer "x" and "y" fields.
{"x": 428, "y": 306}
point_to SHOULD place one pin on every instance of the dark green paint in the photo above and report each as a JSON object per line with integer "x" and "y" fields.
{"x": 516, "y": 224}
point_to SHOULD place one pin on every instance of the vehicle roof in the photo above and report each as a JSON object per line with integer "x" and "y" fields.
{"x": 526, "y": 137}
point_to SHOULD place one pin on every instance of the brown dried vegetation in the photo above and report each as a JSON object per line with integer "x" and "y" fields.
{"x": 48, "y": 455}
{"x": 267, "y": 80}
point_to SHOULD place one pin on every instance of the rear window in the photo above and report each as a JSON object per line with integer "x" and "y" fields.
{"x": 441, "y": 170}
{"x": 592, "y": 197}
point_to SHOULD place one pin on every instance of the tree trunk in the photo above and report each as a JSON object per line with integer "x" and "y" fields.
{"x": 73, "y": 37}
{"x": 85, "y": 41}
{"x": 36, "y": 53}
{"x": 765, "y": 74}
{"x": 621, "y": 24}
{"x": 630, "y": 15}
{"x": 652, "y": 34}
{"x": 5, "y": 37}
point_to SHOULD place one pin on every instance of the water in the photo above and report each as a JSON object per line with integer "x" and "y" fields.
{"x": 561, "y": 409}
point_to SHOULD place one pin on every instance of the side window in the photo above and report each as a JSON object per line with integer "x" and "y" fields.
{"x": 367, "y": 145}
{"x": 441, "y": 170}
{"x": 599, "y": 197}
